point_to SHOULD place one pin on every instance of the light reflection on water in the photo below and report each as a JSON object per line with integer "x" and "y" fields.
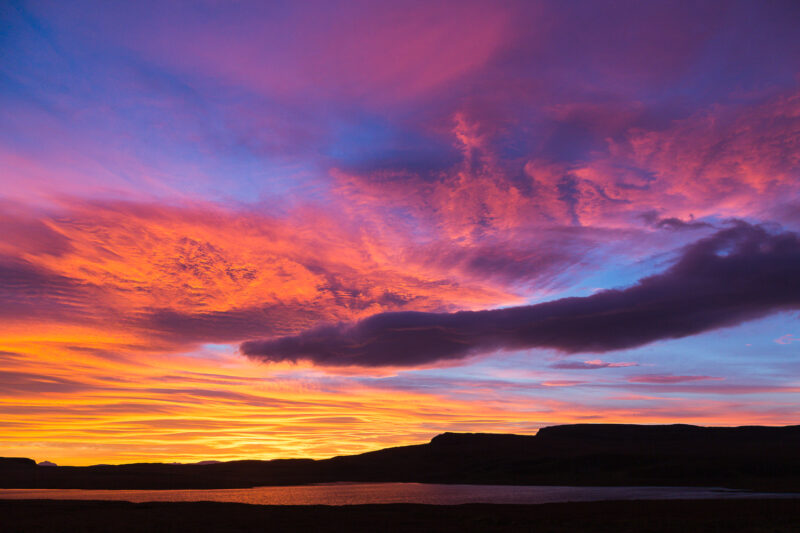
{"x": 363, "y": 493}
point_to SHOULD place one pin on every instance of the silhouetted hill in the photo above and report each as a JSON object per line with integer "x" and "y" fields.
{"x": 764, "y": 458}
{"x": 15, "y": 462}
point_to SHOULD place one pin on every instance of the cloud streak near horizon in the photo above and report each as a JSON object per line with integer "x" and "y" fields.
{"x": 738, "y": 274}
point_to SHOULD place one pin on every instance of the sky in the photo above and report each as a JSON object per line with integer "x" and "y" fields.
{"x": 303, "y": 229}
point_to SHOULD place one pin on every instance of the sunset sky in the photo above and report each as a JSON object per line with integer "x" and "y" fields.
{"x": 257, "y": 229}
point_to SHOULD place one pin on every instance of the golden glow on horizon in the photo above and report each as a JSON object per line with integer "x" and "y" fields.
{"x": 79, "y": 407}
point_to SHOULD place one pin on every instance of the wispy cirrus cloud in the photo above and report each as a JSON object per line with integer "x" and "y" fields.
{"x": 594, "y": 364}
{"x": 669, "y": 379}
{"x": 787, "y": 339}
{"x": 204, "y": 273}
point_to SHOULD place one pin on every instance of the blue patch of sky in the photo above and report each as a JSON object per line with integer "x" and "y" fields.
{"x": 366, "y": 143}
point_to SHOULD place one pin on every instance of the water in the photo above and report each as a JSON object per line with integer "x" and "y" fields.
{"x": 363, "y": 493}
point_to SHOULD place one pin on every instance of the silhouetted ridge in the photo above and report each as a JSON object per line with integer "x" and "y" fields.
{"x": 634, "y": 432}
{"x": 766, "y": 458}
{"x": 16, "y": 462}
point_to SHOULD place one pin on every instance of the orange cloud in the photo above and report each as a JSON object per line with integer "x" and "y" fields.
{"x": 166, "y": 270}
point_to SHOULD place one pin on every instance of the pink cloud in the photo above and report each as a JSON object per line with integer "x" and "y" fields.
{"x": 669, "y": 378}
{"x": 563, "y": 383}
{"x": 373, "y": 51}
{"x": 591, "y": 365}
{"x": 737, "y": 161}
{"x": 787, "y": 339}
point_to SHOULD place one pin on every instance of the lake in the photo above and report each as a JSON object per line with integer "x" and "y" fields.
{"x": 364, "y": 493}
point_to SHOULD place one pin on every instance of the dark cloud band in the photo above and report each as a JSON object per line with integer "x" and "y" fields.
{"x": 739, "y": 273}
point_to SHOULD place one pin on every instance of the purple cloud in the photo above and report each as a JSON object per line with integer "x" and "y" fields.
{"x": 738, "y": 274}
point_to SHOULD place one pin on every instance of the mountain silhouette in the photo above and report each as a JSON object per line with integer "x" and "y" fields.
{"x": 750, "y": 457}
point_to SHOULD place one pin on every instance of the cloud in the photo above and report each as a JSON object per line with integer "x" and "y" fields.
{"x": 13, "y": 383}
{"x": 672, "y": 223}
{"x": 676, "y": 224}
{"x": 668, "y": 378}
{"x": 740, "y": 273}
{"x": 343, "y": 52}
{"x": 590, "y": 365}
{"x": 563, "y": 383}
{"x": 164, "y": 276}
{"x": 27, "y": 290}
{"x": 787, "y": 339}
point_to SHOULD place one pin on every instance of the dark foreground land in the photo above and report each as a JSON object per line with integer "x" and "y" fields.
{"x": 757, "y": 458}
{"x": 684, "y": 516}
